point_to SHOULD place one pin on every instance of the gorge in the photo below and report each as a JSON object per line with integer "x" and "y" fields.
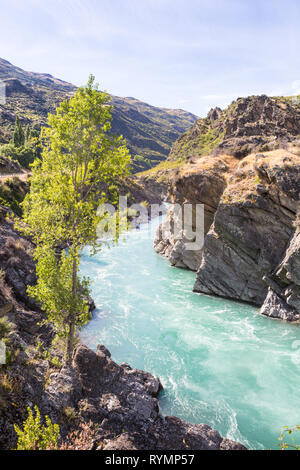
{"x": 215, "y": 356}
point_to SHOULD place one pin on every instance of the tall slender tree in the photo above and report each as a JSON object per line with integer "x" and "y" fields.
{"x": 18, "y": 138}
{"x": 27, "y": 134}
{"x": 79, "y": 160}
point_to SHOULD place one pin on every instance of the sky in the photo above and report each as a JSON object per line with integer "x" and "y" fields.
{"x": 189, "y": 54}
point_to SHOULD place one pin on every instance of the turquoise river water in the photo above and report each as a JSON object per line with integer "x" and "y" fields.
{"x": 220, "y": 362}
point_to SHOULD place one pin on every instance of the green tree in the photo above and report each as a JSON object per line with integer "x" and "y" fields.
{"x": 80, "y": 161}
{"x": 35, "y": 435}
{"x": 18, "y": 136}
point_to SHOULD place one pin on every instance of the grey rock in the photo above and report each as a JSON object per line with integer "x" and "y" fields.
{"x": 122, "y": 442}
{"x": 63, "y": 391}
{"x": 283, "y": 299}
{"x": 276, "y": 307}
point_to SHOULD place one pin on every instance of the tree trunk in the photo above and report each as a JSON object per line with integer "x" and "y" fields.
{"x": 73, "y": 318}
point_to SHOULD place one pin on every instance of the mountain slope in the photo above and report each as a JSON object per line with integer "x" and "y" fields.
{"x": 150, "y": 131}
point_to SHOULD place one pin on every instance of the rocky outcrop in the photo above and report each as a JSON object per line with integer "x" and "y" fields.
{"x": 283, "y": 299}
{"x": 16, "y": 261}
{"x": 252, "y": 124}
{"x": 201, "y": 183}
{"x": 123, "y": 402}
{"x": 141, "y": 189}
{"x": 252, "y": 228}
{"x": 118, "y": 402}
{"x": 251, "y": 246}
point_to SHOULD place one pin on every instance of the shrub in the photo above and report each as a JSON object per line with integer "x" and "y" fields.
{"x": 36, "y": 436}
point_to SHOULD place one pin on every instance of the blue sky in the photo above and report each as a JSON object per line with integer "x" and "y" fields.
{"x": 190, "y": 54}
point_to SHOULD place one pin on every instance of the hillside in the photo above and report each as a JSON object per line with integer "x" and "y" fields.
{"x": 251, "y": 124}
{"x": 150, "y": 131}
{"x": 248, "y": 124}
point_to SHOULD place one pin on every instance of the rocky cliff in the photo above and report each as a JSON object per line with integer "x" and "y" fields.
{"x": 150, "y": 131}
{"x": 256, "y": 123}
{"x": 251, "y": 201}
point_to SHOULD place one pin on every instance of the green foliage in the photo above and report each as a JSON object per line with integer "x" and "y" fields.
{"x": 161, "y": 172}
{"x": 24, "y": 155}
{"x": 9, "y": 358}
{"x": 27, "y": 133}
{"x": 49, "y": 354}
{"x": 55, "y": 290}
{"x": 24, "y": 147}
{"x": 80, "y": 158}
{"x": 18, "y": 138}
{"x": 141, "y": 163}
{"x": 35, "y": 435}
{"x": 198, "y": 144}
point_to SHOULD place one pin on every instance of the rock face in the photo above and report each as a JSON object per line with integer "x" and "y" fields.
{"x": 201, "y": 183}
{"x": 16, "y": 261}
{"x": 251, "y": 246}
{"x": 256, "y": 123}
{"x": 119, "y": 401}
{"x": 283, "y": 299}
{"x": 251, "y": 229}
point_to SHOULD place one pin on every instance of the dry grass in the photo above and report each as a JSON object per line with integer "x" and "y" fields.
{"x": 10, "y": 388}
{"x": 70, "y": 415}
{"x": 218, "y": 165}
{"x": 15, "y": 245}
{"x": 6, "y": 383}
{"x": 243, "y": 181}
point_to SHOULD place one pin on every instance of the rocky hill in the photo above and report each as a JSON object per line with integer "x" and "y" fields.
{"x": 150, "y": 131}
{"x": 250, "y": 187}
